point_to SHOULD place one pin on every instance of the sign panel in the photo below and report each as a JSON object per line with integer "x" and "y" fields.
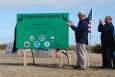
{"x": 44, "y": 30}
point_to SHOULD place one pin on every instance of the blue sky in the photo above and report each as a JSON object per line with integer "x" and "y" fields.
{"x": 9, "y": 9}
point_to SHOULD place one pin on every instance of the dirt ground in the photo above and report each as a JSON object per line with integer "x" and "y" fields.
{"x": 46, "y": 66}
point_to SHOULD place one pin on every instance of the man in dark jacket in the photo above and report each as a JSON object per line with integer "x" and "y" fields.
{"x": 81, "y": 36}
{"x": 107, "y": 31}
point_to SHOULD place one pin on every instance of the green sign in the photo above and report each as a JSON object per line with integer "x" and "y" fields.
{"x": 44, "y": 30}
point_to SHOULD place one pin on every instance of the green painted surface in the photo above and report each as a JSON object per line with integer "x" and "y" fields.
{"x": 44, "y": 30}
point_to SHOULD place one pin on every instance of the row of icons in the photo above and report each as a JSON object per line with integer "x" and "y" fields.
{"x": 41, "y": 38}
{"x": 36, "y": 44}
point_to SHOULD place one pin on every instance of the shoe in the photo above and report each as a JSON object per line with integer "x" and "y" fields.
{"x": 113, "y": 67}
{"x": 107, "y": 68}
{"x": 76, "y": 67}
{"x": 101, "y": 67}
{"x": 82, "y": 69}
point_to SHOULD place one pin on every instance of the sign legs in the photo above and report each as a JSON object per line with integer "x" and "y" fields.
{"x": 68, "y": 57}
{"x": 24, "y": 58}
{"x": 33, "y": 56}
{"x": 61, "y": 59}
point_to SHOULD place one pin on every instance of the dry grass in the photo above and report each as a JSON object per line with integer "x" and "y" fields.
{"x": 11, "y": 66}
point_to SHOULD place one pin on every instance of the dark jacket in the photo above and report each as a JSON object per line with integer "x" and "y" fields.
{"x": 107, "y": 32}
{"x": 81, "y": 31}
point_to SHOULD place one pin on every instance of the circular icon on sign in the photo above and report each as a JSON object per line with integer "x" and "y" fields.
{"x": 26, "y": 43}
{"x": 52, "y": 38}
{"x": 42, "y": 38}
{"x": 32, "y": 38}
{"x": 36, "y": 44}
{"x": 47, "y": 44}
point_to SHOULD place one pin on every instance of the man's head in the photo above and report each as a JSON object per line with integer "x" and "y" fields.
{"x": 81, "y": 16}
{"x": 108, "y": 19}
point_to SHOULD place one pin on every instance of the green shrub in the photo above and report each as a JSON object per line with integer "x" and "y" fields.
{"x": 94, "y": 48}
{"x": 3, "y": 46}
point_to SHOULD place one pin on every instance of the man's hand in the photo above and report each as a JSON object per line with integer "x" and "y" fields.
{"x": 100, "y": 22}
{"x": 70, "y": 23}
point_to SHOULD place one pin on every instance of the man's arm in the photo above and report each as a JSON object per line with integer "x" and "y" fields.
{"x": 70, "y": 24}
{"x": 100, "y": 27}
{"x": 74, "y": 28}
{"x": 112, "y": 29}
{"x": 109, "y": 28}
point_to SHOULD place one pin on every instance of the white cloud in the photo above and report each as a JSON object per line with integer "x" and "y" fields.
{"x": 54, "y": 3}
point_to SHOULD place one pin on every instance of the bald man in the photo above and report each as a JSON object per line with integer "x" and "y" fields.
{"x": 107, "y": 41}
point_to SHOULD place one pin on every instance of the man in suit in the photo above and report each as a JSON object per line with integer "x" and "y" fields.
{"x": 107, "y": 41}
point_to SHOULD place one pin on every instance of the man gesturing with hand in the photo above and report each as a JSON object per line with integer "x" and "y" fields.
{"x": 81, "y": 36}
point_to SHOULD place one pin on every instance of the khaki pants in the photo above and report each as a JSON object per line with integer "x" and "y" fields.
{"x": 81, "y": 55}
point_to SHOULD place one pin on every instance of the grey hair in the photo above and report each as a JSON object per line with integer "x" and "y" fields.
{"x": 81, "y": 13}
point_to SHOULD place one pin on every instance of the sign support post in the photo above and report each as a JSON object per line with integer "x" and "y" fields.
{"x": 33, "y": 56}
{"x": 60, "y": 59}
{"x": 24, "y": 58}
{"x": 68, "y": 57}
